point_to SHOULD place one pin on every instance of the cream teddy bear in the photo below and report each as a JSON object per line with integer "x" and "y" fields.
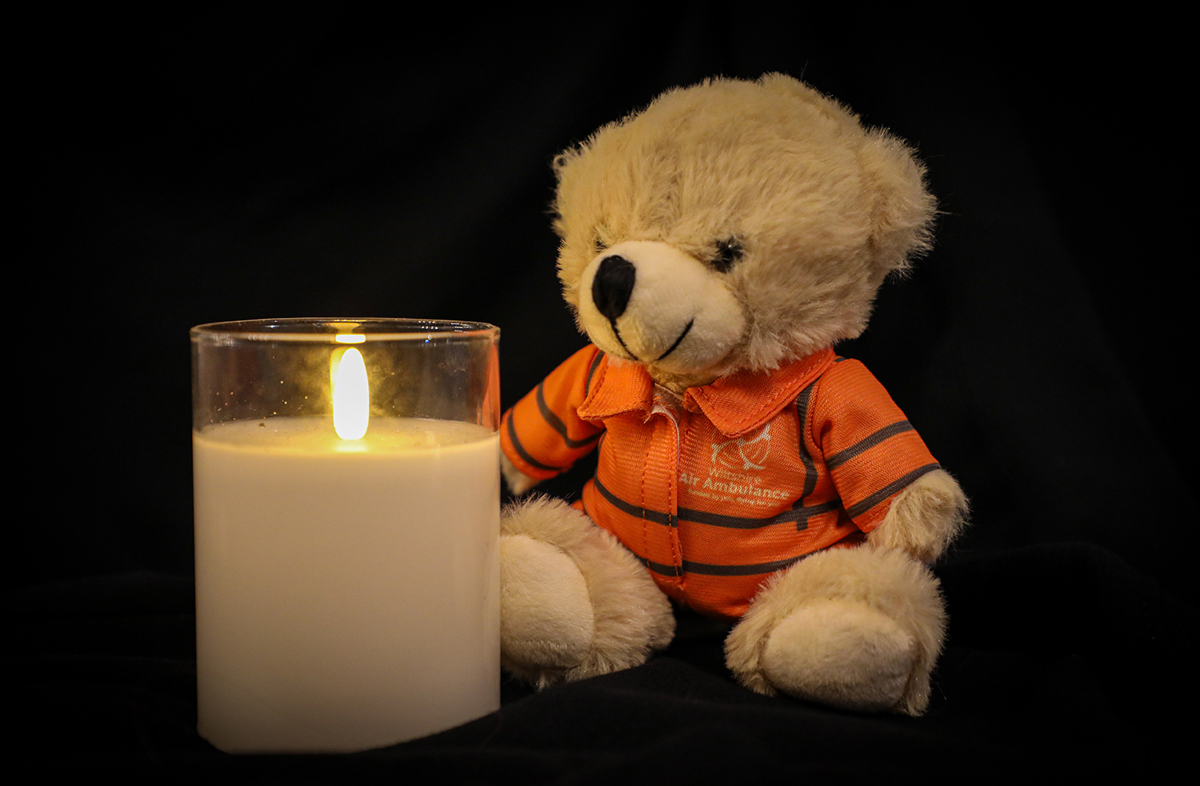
{"x": 715, "y": 247}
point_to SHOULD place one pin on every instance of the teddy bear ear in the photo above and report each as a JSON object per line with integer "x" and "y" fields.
{"x": 903, "y": 210}
{"x": 564, "y": 158}
{"x": 559, "y": 166}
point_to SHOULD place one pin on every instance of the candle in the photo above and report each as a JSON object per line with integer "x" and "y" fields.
{"x": 346, "y": 570}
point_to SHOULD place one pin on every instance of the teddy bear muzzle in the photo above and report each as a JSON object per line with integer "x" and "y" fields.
{"x": 652, "y": 303}
{"x": 611, "y": 287}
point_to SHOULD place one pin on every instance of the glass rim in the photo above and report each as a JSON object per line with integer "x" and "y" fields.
{"x": 328, "y": 329}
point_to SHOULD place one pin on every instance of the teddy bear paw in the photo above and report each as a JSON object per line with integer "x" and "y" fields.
{"x": 574, "y": 603}
{"x": 546, "y": 618}
{"x": 842, "y": 654}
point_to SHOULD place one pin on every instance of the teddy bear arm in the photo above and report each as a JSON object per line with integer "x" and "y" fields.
{"x": 924, "y": 518}
{"x": 542, "y": 435}
{"x": 516, "y": 480}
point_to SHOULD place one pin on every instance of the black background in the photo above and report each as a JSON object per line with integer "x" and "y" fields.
{"x": 174, "y": 172}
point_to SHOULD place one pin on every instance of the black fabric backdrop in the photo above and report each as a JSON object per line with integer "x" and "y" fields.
{"x": 170, "y": 173}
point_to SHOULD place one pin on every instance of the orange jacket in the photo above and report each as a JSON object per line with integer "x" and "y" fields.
{"x": 742, "y": 478}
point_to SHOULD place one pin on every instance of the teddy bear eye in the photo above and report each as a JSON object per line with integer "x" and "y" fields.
{"x": 729, "y": 251}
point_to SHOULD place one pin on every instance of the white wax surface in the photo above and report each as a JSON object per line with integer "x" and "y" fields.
{"x": 346, "y": 592}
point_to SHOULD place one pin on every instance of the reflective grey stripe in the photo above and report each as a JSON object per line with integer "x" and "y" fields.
{"x": 810, "y": 469}
{"x": 661, "y": 569}
{"x": 634, "y": 510}
{"x": 801, "y": 515}
{"x": 554, "y": 422}
{"x": 879, "y": 496}
{"x": 721, "y": 570}
{"x": 866, "y": 444}
{"x": 512, "y": 435}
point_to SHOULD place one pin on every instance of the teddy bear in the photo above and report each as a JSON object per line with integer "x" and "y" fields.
{"x": 714, "y": 247}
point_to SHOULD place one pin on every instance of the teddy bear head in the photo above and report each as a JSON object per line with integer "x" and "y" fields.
{"x": 733, "y": 225}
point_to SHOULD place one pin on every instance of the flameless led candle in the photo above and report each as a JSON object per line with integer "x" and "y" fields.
{"x": 347, "y": 525}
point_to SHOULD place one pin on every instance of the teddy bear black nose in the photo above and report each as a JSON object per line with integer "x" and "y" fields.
{"x": 612, "y": 285}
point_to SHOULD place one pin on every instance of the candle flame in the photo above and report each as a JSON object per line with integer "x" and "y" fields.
{"x": 351, "y": 398}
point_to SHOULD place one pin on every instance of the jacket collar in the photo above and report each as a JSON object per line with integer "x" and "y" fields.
{"x": 736, "y": 405}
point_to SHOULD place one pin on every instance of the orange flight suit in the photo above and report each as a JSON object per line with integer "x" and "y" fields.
{"x": 742, "y": 478}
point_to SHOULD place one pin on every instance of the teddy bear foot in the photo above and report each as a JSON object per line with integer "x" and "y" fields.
{"x": 547, "y": 623}
{"x": 857, "y": 629}
{"x": 844, "y": 655}
{"x": 574, "y": 603}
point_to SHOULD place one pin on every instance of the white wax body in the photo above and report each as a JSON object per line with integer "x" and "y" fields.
{"x": 347, "y": 593}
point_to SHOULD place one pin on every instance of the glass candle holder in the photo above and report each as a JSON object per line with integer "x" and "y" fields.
{"x": 347, "y": 488}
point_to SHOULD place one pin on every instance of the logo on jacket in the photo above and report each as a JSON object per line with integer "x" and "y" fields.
{"x": 743, "y": 453}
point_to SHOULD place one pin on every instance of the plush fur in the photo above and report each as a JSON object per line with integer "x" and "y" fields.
{"x": 935, "y": 497}
{"x": 861, "y": 629}
{"x": 574, "y": 603}
{"x": 758, "y": 220}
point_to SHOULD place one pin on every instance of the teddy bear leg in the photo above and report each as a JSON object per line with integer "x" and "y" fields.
{"x": 574, "y": 603}
{"x": 858, "y": 629}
